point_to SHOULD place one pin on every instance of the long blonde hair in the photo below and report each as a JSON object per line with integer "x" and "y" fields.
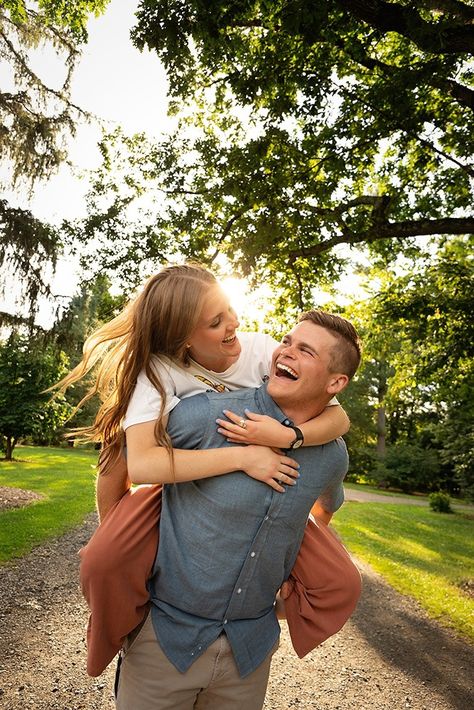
{"x": 158, "y": 322}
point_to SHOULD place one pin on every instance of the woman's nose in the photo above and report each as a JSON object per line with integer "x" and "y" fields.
{"x": 234, "y": 319}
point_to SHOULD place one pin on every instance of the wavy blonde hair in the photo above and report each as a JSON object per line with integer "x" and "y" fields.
{"x": 159, "y": 321}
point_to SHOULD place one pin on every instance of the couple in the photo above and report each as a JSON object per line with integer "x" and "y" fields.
{"x": 227, "y": 542}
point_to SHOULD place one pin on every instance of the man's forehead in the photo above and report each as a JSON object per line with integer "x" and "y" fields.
{"x": 312, "y": 333}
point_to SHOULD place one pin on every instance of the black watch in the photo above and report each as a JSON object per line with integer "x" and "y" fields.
{"x": 298, "y": 440}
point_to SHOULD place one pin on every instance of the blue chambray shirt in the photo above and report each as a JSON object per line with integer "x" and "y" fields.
{"x": 227, "y": 543}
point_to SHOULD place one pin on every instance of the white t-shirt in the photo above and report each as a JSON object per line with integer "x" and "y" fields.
{"x": 251, "y": 369}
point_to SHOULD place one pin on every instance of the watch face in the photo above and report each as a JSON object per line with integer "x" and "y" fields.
{"x": 297, "y": 444}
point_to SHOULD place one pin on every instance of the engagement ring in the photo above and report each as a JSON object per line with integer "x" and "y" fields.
{"x": 243, "y": 424}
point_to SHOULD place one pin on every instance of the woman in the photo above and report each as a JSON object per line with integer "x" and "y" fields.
{"x": 178, "y": 338}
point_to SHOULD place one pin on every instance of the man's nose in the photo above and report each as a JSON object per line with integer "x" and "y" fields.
{"x": 288, "y": 351}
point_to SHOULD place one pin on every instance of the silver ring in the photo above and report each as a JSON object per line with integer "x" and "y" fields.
{"x": 243, "y": 424}
{"x": 280, "y": 481}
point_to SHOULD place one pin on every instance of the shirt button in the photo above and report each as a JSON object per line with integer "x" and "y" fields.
{"x": 266, "y": 517}
{"x": 225, "y": 621}
{"x": 287, "y": 421}
{"x": 239, "y": 590}
{"x": 252, "y": 554}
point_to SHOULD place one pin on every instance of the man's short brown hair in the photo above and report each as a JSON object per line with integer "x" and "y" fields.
{"x": 345, "y": 357}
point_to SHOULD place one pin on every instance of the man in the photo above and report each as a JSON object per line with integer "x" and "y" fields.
{"x": 228, "y": 543}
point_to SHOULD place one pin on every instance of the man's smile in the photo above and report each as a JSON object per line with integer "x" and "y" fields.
{"x": 282, "y": 370}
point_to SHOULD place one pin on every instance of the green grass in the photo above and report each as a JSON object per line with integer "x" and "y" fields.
{"x": 64, "y": 476}
{"x": 421, "y": 553}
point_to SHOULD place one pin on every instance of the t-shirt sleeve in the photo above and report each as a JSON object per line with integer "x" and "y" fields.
{"x": 332, "y": 402}
{"x": 145, "y": 403}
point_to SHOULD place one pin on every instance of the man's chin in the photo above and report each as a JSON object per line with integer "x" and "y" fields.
{"x": 278, "y": 387}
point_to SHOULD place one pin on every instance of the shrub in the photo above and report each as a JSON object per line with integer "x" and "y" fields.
{"x": 440, "y": 502}
{"x": 409, "y": 467}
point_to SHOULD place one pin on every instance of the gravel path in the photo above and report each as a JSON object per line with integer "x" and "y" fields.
{"x": 351, "y": 494}
{"x": 388, "y": 657}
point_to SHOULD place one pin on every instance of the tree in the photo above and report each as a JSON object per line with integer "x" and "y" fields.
{"x": 92, "y": 306}
{"x": 27, "y": 368}
{"x": 36, "y": 119}
{"x": 434, "y": 307}
{"x": 419, "y": 328}
{"x": 315, "y": 125}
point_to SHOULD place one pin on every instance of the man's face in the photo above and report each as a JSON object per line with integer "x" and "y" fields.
{"x": 300, "y": 366}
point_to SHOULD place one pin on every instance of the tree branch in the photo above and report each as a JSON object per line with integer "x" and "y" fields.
{"x": 463, "y": 94}
{"x": 393, "y": 230}
{"x": 454, "y": 7}
{"x": 435, "y": 38}
{"x": 226, "y": 231}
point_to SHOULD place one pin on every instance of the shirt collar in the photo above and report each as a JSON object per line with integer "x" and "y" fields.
{"x": 269, "y": 406}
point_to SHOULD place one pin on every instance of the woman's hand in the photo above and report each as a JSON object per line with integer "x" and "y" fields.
{"x": 259, "y": 429}
{"x": 270, "y": 467}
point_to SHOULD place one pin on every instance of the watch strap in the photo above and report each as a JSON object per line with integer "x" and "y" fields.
{"x": 299, "y": 437}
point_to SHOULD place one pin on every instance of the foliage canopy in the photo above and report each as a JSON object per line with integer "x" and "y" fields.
{"x": 307, "y": 126}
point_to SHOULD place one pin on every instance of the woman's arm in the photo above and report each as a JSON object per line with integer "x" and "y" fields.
{"x": 266, "y": 431}
{"x": 149, "y": 463}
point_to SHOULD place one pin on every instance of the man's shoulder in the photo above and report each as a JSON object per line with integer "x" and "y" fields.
{"x": 225, "y": 399}
{"x": 334, "y": 451}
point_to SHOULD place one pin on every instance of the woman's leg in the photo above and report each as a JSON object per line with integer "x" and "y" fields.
{"x": 115, "y": 566}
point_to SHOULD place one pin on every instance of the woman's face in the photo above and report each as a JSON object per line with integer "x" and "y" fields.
{"x": 214, "y": 343}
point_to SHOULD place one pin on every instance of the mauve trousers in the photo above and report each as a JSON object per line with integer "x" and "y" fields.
{"x": 149, "y": 681}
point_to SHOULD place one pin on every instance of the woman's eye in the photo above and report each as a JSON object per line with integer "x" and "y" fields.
{"x": 216, "y": 324}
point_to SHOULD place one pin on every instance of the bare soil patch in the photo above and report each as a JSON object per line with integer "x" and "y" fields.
{"x": 17, "y": 497}
{"x": 390, "y": 656}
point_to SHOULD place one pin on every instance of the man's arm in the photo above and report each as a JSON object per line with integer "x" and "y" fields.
{"x": 111, "y": 487}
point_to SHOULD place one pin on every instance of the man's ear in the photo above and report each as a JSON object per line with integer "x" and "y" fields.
{"x": 337, "y": 383}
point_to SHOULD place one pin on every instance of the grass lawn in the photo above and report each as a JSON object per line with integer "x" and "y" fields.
{"x": 423, "y": 554}
{"x": 64, "y": 476}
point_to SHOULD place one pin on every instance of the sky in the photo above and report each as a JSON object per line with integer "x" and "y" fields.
{"x": 118, "y": 84}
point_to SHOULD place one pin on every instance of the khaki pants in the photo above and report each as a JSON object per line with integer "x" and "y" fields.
{"x": 148, "y": 681}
